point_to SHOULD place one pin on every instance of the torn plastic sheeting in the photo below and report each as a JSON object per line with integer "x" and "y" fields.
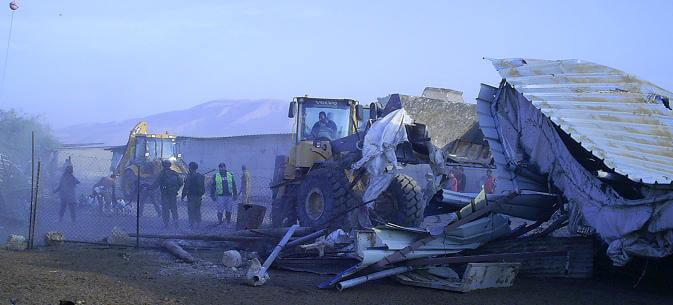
{"x": 378, "y": 152}
{"x": 621, "y": 250}
{"x": 529, "y": 137}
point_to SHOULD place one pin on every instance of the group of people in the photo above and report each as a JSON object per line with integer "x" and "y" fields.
{"x": 455, "y": 180}
{"x": 223, "y": 191}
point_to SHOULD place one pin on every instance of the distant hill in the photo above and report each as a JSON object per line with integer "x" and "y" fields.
{"x": 219, "y": 118}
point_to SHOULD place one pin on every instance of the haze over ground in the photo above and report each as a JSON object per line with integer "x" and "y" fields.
{"x": 99, "y": 61}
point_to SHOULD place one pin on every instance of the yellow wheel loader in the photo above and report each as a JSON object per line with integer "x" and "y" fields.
{"x": 144, "y": 153}
{"x": 314, "y": 184}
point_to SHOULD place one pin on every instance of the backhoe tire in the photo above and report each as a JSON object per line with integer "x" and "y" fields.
{"x": 323, "y": 198}
{"x": 402, "y": 203}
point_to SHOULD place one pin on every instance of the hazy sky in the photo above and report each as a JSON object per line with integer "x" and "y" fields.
{"x": 87, "y": 61}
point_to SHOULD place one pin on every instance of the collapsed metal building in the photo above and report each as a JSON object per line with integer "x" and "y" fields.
{"x": 599, "y": 138}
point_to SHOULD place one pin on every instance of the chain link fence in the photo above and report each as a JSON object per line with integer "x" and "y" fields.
{"x": 97, "y": 216}
{"x": 14, "y": 198}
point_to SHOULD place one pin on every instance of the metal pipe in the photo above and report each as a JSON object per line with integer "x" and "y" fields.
{"x": 32, "y": 186}
{"x": 373, "y": 276}
{"x": 497, "y": 257}
{"x": 229, "y": 237}
{"x": 269, "y": 260}
{"x": 301, "y": 240}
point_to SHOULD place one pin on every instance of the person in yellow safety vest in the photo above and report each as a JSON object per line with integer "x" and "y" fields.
{"x": 223, "y": 192}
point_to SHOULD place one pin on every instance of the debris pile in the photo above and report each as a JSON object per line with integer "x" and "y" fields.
{"x": 54, "y": 239}
{"x": 16, "y": 243}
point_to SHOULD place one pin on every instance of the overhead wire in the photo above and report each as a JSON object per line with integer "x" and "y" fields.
{"x": 4, "y": 66}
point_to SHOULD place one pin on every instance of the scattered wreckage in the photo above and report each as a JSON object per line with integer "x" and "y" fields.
{"x": 587, "y": 143}
{"x": 574, "y": 144}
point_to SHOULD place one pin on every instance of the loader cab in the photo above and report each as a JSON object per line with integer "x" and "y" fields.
{"x": 317, "y": 122}
{"x": 322, "y": 119}
{"x": 155, "y": 147}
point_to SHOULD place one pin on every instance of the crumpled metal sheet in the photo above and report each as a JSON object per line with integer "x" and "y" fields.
{"x": 530, "y": 154}
{"x": 625, "y": 121}
{"x": 372, "y": 246}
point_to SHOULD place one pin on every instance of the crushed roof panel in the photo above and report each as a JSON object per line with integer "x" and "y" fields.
{"x": 625, "y": 121}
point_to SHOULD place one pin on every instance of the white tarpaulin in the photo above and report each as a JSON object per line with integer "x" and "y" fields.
{"x": 378, "y": 152}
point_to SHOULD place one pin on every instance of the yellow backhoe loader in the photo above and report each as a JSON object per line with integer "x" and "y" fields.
{"x": 142, "y": 158}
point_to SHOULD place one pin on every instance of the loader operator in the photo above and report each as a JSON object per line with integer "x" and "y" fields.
{"x": 222, "y": 190}
{"x": 324, "y": 128}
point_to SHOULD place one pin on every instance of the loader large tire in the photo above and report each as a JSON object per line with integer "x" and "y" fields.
{"x": 323, "y": 198}
{"x": 283, "y": 208}
{"x": 402, "y": 203}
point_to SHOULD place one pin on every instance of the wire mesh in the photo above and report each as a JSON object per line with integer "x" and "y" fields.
{"x": 100, "y": 215}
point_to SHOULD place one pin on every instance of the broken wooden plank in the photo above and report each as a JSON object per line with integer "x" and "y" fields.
{"x": 177, "y": 251}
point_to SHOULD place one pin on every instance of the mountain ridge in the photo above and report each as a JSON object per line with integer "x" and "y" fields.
{"x": 216, "y": 118}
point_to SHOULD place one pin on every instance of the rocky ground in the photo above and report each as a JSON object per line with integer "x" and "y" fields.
{"x": 103, "y": 275}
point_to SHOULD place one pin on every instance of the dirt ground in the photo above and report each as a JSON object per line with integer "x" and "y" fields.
{"x": 102, "y": 275}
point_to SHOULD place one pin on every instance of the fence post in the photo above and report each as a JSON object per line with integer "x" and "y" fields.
{"x": 34, "y": 213}
{"x": 32, "y": 187}
{"x": 138, "y": 212}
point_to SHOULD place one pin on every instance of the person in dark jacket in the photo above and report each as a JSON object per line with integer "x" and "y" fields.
{"x": 194, "y": 190}
{"x": 324, "y": 127}
{"x": 66, "y": 191}
{"x": 169, "y": 183}
{"x": 223, "y": 192}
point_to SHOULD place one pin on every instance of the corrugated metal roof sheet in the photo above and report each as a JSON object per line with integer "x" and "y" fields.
{"x": 625, "y": 121}
{"x": 507, "y": 179}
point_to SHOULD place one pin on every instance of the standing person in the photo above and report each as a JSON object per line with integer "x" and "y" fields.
{"x": 489, "y": 182}
{"x": 450, "y": 183}
{"x": 462, "y": 179}
{"x": 169, "y": 183}
{"x": 222, "y": 190}
{"x": 148, "y": 192}
{"x": 106, "y": 187}
{"x": 66, "y": 190}
{"x": 194, "y": 190}
{"x": 246, "y": 186}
